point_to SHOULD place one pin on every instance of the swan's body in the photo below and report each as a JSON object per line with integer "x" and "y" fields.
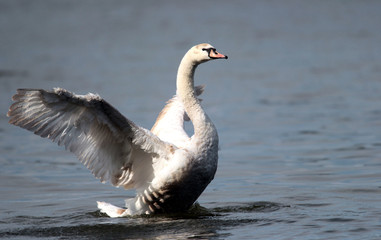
{"x": 168, "y": 169}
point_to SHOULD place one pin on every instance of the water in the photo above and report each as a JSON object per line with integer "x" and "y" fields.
{"x": 297, "y": 107}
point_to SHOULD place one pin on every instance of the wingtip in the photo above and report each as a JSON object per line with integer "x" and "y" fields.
{"x": 199, "y": 89}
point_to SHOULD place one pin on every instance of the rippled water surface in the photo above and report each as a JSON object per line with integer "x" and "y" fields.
{"x": 297, "y": 106}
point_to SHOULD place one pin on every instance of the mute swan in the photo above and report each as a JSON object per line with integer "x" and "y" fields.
{"x": 168, "y": 169}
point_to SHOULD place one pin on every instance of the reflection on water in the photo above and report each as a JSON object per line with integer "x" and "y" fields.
{"x": 297, "y": 107}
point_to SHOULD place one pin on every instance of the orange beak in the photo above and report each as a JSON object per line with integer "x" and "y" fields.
{"x": 216, "y": 55}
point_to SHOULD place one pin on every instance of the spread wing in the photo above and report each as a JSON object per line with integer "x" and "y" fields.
{"x": 169, "y": 125}
{"x": 107, "y": 143}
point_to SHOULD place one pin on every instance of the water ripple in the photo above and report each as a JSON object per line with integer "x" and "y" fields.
{"x": 198, "y": 222}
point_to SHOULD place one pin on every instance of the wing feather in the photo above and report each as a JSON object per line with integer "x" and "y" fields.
{"x": 169, "y": 125}
{"x": 102, "y": 138}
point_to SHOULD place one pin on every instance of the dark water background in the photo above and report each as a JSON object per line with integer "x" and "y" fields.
{"x": 297, "y": 106}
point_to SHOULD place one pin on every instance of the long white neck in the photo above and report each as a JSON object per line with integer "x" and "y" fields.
{"x": 203, "y": 127}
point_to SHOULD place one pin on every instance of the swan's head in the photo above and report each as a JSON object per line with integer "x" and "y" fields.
{"x": 204, "y": 52}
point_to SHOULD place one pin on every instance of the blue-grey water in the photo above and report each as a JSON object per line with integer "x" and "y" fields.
{"x": 297, "y": 106}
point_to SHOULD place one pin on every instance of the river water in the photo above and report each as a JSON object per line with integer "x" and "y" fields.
{"x": 297, "y": 106}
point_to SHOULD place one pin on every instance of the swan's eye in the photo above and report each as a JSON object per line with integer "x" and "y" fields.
{"x": 208, "y": 50}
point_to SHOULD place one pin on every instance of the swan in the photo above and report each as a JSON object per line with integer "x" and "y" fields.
{"x": 168, "y": 169}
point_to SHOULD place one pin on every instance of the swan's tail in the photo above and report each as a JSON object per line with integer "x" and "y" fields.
{"x": 111, "y": 210}
{"x": 134, "y": 206}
